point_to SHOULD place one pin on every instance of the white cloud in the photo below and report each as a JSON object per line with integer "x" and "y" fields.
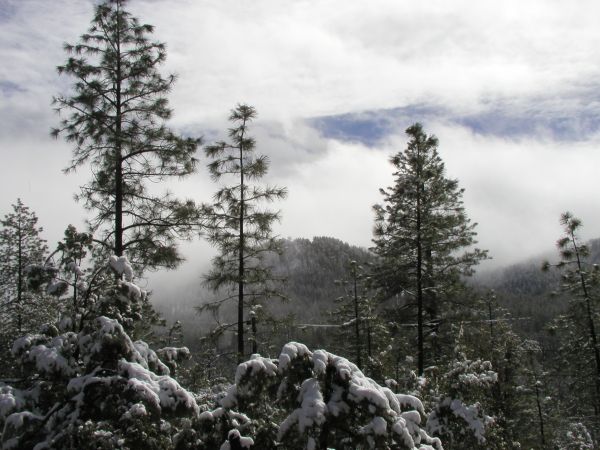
{"x": 305, "y": 58}
{"x": 295, "y": 59}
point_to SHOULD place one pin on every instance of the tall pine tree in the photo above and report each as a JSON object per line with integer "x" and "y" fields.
{"x": 579, "y": 353}
{"x": 240, "y": 227}
{"x": 421, "y": 234}
{"x": 115, "y": 117}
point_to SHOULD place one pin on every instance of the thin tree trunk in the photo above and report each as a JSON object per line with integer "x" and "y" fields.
{"x": 540, "y": 415}
{"x": 356, "y": 321}
{"x": 419, "y": 243}
{"x": 430, "y": 298}
{"x": 19, "y": 277}
{"x": 420, "y": 347}
{"x": 591, "y": 325}
{"x": 491, "y": 323}
{"x": 369, "y": 352}
{"x": 118, "y": 152}
{"x": 240, "y": 327}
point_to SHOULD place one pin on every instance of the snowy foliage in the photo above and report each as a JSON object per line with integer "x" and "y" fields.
{"x": 457, "y": 417}
{"x": 122, "y": 267}
{"x": 89, "y": 385}
{"x": 324, "y": 400}
{"x": 22, "y": 309}
{"x": 576, "y": 437}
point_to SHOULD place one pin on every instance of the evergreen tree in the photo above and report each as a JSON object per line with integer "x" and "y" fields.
{"x": 421, "y": 233}
{"x": 115, "y": 117}
{"x": 459, "y": 416}
{"x": 534, "y": 403}
{"x": 488, "y": 334}
{"x": 21, "y": 247}
{"x": 361, "y": 333}
{"x": 239, "y": 227}
{"x": 579, "y": 354}
{"x": 72, "y": 275}
{"x": 66, "y": 266}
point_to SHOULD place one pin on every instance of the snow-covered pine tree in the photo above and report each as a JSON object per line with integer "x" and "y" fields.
{"x": 21, "y": 308}
{"x": 317, "y": 400}
{"x": 487, "y": 334}
{"x": 460, "y": 390}
{"x": 579, "y": 355}
{"x": 536, "y": 403}
{"x": 241, "y": 228}
{"x": 115, "y": 117}
{"x": 422, "y": 236}
{"x": 62, "y": 273}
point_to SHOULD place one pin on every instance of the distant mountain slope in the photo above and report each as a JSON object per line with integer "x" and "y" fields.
{"x": 528, "y": 292}
{"x": 310, "y": 268}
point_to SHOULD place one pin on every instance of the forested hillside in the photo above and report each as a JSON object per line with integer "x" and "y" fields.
{"x": 531, "y": 295}
{"x": 308, "y": 268}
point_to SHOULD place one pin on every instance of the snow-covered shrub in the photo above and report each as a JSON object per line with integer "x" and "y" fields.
{"x": 171, "y": 356}
{"x": 576, "y": 437}
{"x": 318, "y": 400}
{"x": 224, "y": 425}
{"x": 457, "y": 417}
{"x": 256, "y": 386}
{"x": 212, "y": 429}
{"x": 88, "y": 385}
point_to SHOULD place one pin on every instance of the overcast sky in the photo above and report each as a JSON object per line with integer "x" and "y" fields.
{"x": 510, "y": 88}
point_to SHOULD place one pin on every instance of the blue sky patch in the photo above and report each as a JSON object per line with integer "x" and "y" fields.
{"x": 574, "y": 122}
{"x": 7, "y": 88}
{"x": 7, "y": 11}
{"x": 369, "y": 127}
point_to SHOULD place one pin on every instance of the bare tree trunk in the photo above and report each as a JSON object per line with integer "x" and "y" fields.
{"x": 118, "y": 154}
{"x": 240, "y": 327}
{"x": 591, "y": 325}
{"x": 419, "y": 274}
{"x": 20, "y": 277}
{"x": 540, "y": 415}
{"x": 356, "y": 321}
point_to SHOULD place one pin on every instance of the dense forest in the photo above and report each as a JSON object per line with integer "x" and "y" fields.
{"x": 280, "y": 343}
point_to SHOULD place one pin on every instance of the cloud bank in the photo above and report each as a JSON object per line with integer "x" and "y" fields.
{"x": 509, "y": 88}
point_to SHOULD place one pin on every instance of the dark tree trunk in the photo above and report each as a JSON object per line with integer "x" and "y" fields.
{"x": 591, "y": 325}
{"x": 430, "y": 300}
{"x": 240, "y": 327}
{"x": 20, "y": 277}
{"x": 356, "y": 321}
{"x": 118, "y": 155}
{"x": 540, "y": 415}
{"x": 369, "y": 352}
{"x": 419, "y": 274}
